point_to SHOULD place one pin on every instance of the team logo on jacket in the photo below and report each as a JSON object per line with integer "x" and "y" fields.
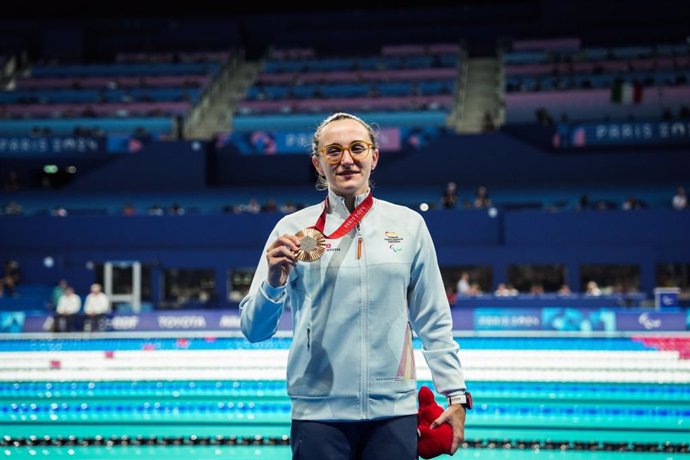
{"x": 394, "y": 241}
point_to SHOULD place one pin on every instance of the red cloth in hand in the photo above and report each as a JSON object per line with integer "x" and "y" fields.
{"x": 432, "y": 442}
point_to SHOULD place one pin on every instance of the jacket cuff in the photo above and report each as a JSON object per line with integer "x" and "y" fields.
{"x": 274, "y": 294}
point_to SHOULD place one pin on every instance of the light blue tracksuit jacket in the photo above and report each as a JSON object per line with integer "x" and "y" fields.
{"x": 351, "y": 356}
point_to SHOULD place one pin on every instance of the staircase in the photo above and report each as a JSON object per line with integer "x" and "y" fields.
{"x": 214, "y": 113}
{"x": 481, "y": 95}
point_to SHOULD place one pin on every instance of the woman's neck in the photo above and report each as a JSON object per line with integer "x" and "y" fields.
{"x": 349, "y": 203}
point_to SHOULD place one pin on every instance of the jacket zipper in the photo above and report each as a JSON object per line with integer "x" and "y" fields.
{"x": 364, "y": 383}
{"x": 308, "y": 338}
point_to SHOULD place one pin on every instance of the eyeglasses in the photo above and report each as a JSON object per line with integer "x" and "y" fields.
{"x": 333, "y": 153}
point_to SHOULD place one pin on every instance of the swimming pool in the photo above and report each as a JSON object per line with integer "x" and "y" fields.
{"x": 221, "y": 397}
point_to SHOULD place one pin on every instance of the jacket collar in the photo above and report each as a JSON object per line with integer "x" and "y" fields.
{"x": 336, "y": 203}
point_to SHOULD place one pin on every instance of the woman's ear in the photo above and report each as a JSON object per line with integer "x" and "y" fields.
{"x": 374, "y": 159}
{"x": 317, "y": 164}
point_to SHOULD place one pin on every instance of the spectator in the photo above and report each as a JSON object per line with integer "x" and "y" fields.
{"x": 128, "y": 209}
{"x": 463, "y": 287}
{"x": 66, "y": 311}
{"x": 481, "y": 198}
{"x": 155, "y": 210}
{"x": 505, "y": 290}
{"x": 488, "y": 124}
{"x": 270, "y": 206}
{"x": 450, "y": 196}
{"x": 10, "y": 278}
{"x": 58, "y": 211}
{"x": 288, "y": 207}
{"x": 680, "y": 199}
{"x": 583, "y": 202}
{"x": 176, "y": 210}
{"x": 253, "y": 207}
{"x": 475, "y": 289}
{"x": 592, "y": 289}
{"x": 502, "y": 290}
{"x": 564, "y": 290}
{"x": 631, "y": 203}
{"x": 13, "y": 209}
{"x": 57, "y": 292}
{"x": 96, "y": 308}
{"x": 544, "y": 118}
{"x": 536, "y": 289}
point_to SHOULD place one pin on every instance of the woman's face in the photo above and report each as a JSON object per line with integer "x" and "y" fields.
{"x": 348, "y": 177}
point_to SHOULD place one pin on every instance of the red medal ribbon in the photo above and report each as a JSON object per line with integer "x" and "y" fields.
{"x": 351, "y": 221}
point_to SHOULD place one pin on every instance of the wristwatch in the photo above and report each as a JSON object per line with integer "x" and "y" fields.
{"x": 465, "y": 400}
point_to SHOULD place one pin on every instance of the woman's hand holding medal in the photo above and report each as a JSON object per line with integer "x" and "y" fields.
{"x": 282, "y": 257}
{"x": 308, "y": 244}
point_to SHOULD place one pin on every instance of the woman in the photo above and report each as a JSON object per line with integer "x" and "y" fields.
{"x": 359, "y": 275}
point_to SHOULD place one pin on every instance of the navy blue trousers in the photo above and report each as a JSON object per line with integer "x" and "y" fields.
{"x": 382, "y": 439}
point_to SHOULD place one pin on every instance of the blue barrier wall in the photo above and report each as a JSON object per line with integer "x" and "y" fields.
{"x": 167, "y": 166}
{"x": 504, "y": 159}
{"x": 225, "y": 242}
{"x": 516, "y": 159}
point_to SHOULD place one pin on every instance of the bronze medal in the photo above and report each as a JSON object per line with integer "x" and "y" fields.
{"x": 312, "y": 245}
{"x": 312, "y": 239}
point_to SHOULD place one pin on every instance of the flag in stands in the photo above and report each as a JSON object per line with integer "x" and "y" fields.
{"x": 625, "y": 92}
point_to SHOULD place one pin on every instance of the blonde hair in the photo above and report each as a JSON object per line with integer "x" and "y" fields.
{"x": 321, "y": 183}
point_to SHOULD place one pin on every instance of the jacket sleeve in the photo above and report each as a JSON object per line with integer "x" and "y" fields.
{"x": 430, "y": 316}
{"x": 262, "y": 307}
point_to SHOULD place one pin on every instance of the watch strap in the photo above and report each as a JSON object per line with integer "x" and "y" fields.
{"x": 463, "y": 399}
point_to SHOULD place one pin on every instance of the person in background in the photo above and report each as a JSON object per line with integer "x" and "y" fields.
{"x": 506, "y": 290}
{"x": 59, "y": 211}
{"x": 502, "y": 290}
{"x": 583, "y": 203}
{"x": 155, "y": 210}
{"x": 481, "y": 198}
{"x": 96, "y": 308}
{"x": 13, "y": 208}
{"x": 488, "y": 123}
{"x": 631, "y": 203}
{"x": 564, "y": 290}
{"x": 57, "y": 292}
{"x": 128, "y": 209}
{"x": 680, "y": 199}
{"x": 359, "y": 276}
{"x": 463, "y": 287}
{"x": 450, "y": 196}
{"x": 67, "y": 309}
{"x": 536, "y": 289}
{"x": 10, "y": 278}
{"x": 592, "y": 289}
{"x": 176, "y": 209}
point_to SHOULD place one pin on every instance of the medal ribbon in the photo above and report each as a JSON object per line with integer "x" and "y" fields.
{"x": 351, "y": 221}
